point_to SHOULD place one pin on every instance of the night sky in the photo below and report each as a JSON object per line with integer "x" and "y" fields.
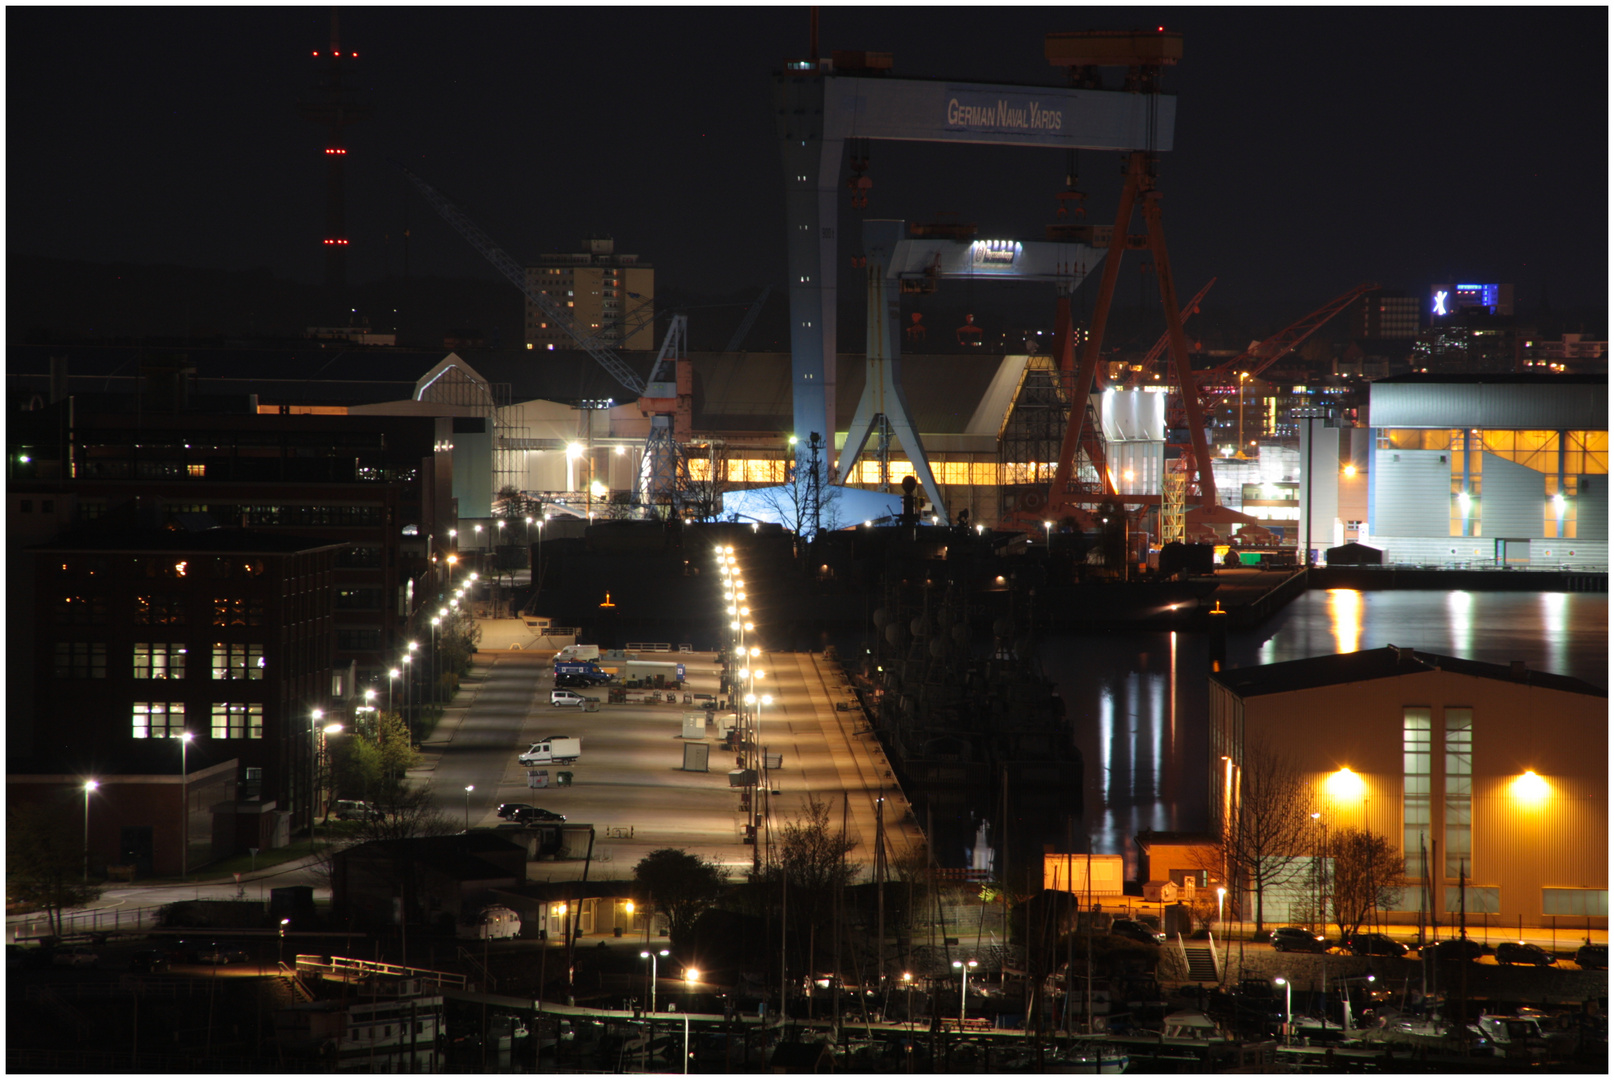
{"x": 1316, "y": 148}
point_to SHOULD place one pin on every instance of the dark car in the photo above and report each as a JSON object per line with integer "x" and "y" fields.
{"x": 508, "y": 810}
{"x": 149, "y": 962}
{"x": 1592, "y": 957}
{"x": 1133, "y": 930}
{"x": 1522, "y": 952}
{"x": 1453, "y": 949}
{"x": 534, "y": 815}
{"x": 1374, "y": 945}
{"x": 1297, "y": 939}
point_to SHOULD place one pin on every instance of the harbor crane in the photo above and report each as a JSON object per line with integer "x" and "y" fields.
{"x": 667, "y": 397}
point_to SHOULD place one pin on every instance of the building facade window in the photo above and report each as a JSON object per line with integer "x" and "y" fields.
{"x": 358, "y": 640}
{"x": 80, "y": 610}
{"x": 80, "y": 660}
{"x": 228, "y": 611}
{"x": 159, "y": 610}
{"x": 237, "y": 720}
{"x": 1459, "y": 806}
{"x": 158, "y": 719}
{"x": 159, "y": 660}
{"x": 238, "y": 661}
{"x": 1585, "y": 902}
{"x": 1480, "y": 900}
{"x": 1415, "y": 736}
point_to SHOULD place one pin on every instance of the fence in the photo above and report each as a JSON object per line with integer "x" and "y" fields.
{"x": 94, "y": 921}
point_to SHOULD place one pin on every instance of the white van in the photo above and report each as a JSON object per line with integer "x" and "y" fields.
{"x": 577, "y": 652}
{"x": 567, "y": 697}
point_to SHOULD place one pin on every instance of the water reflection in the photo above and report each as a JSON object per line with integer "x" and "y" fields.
{"x": 1141, "y": 700}
{"x": 1345, "y": 615}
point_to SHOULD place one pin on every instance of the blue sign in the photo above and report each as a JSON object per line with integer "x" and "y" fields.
{"x": 680, "y": 671}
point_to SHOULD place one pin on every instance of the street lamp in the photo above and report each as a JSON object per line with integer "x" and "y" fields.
{"x": 1048, "y": 533}
{"x": 468, "y": 789}
{"x": 964, "y": 967}
{"x": 1221, "y": 892}
{"x": 89, "y": 786}
{"x": 313, "y": 770}
{"x": 1243, "y": 378}
{"x": 392, "y": 674}
{"x": 1288, "y": 1011}
{"x": 651, "y": 956}
{"x": 185, "y": 738}
{"x": 435, "y": 620}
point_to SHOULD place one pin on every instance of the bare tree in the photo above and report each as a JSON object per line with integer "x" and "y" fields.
{"x": 1367, "y": 875}
{"x": 1269, "y": 827}
{"x": 45, "y": 861}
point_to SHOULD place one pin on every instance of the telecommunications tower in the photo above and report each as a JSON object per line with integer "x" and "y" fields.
{"x": 333, "y": 102}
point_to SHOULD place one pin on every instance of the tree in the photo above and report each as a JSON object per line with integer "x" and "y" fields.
{"x": 45, "y": 862}
{"x": 1267, "y": 835}
{"x": 372, "y": 765}
{"x": 404, "y": 810}
{"x": 681, "y": 886}
{"x": 1367, "y": 875}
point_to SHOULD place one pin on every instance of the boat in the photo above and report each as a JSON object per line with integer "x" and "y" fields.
{"x": 347, "y": 1027}
{"x": 1086, "y": 1058}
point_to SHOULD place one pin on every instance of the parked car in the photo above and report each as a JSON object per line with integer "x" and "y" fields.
{"x": 221, "y": 954}
{"x": 355, "y": 810}
{"x": 1374, "y": 945}
{"x": 507, "y": 811}
{"x": 536, "y": 815}
{"x": 1454, "y": 949}
{"x": 76, "y": 956}
{"x": 1297, "y": 939}
{"x": 1522, "y": 952}
{"x": 1133, "y": 930}
{"x": 1592, "y": 957}
{"x": 149, "y": 962}
{"x": 567, "y": 698}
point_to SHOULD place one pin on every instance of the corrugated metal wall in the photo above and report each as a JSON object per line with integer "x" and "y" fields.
{"x": 1514, "y": 499}
{"x": 1412, "y": 493}
{"x": 1522, "y": 847}
{"x": 1591, "y": 508}
{"x": 1571, "y": 406}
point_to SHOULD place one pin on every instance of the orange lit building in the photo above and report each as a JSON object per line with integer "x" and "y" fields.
{"x": 1500, "y": 773}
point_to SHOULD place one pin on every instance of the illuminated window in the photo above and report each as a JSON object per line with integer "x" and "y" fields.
{"x": 80, "y": 660}
{"x": 237, "y": 612}
{"x": 159, "y": 660}
{"x": 238, "y": 661}
{"x": 1591, "y": 903}
{"x": 80, "y": 610}
{"x": 1415, "y": 755}
{"x": 1459, "y": 790}
{"x": 158, "y": 719}
{"x": 159, "y": 610}
{"x": 237, "y": 720}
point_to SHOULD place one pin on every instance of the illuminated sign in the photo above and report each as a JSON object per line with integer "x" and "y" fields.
{"x": 994, "y": 252}
{"x": 1440, "y": 301}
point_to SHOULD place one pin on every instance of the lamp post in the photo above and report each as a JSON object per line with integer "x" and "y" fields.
{"x": 651, "y": 956}
{"x": 1243, "y": 378}
{"x": 1288, "y": 1011}
{"x": 409, "y": 681}
{"x": 1221, "y": 893}
{"x": 1048, "y": 534}
{"x": 313, "y": 770}
{"x": 185, "y": 738}
{"x": 89, "y": 786}
{"x": 392, "y": 675}
{"x": 964, "y": 967}
{"x": 468, "y": 789}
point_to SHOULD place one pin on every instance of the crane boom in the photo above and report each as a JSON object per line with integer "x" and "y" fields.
{"x": 1257, "y": 358}
{"x": 607, "y": 358}
{"x": 1153, "y": 354}
{"x": 750, "y": 317}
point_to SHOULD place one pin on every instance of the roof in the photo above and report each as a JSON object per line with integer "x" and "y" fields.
{"x": 1387, "y": 663}
{"x": 1507, "y": 401}
{"x": 226, "y": 541}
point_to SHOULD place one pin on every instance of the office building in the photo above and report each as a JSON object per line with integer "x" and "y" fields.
{"x": 606, "y": 295}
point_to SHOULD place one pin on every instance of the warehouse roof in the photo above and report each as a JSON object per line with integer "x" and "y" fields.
{"x": 1387, "y": 663}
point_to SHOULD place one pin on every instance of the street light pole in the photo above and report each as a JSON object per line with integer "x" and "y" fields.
{"x": 392, "y": 676}
{"x": 963, "y": 986}
{"x": 184, "y": 807}
{"x": 651, "y": 956}
{"x": 89, "y": 786}
{"x": 1288, "y": 1011}
{"x": 468, "y": 789}
{"x": 313, "y": 771}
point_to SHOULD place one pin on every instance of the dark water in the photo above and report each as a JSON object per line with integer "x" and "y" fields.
{"x": 1141, "y": 699}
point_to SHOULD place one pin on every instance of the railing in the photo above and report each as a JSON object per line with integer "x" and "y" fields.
{"x": 343, "y": 967}
{"x": 93, "y": 921}
{"x": 648, "y": 646}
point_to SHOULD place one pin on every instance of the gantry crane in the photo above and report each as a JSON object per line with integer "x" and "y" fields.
{"x": 666, "y": 397}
